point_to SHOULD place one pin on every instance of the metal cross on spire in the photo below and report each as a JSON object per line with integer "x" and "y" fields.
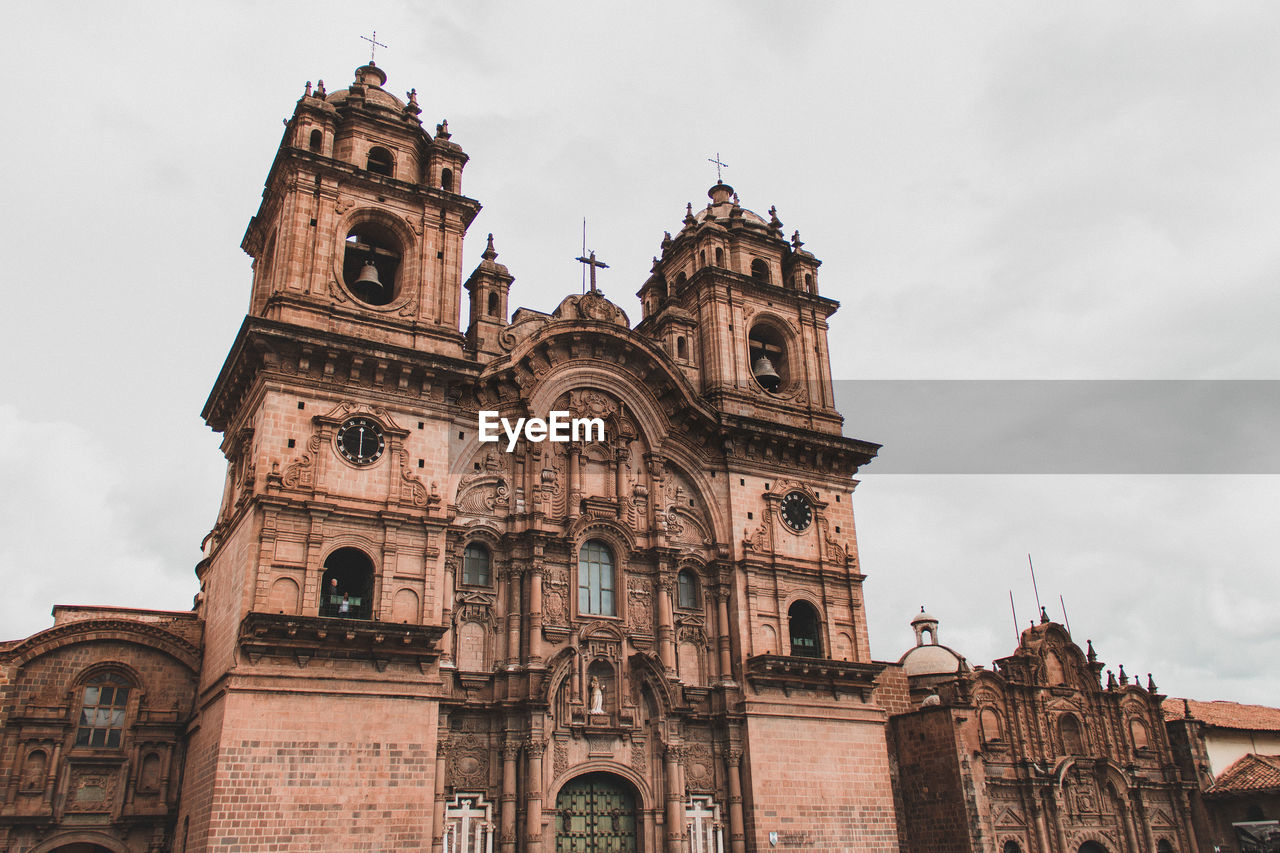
{"x": 374, "y": 44}
{"x": 590, "y": 260}
{"x": 719, "y": 165}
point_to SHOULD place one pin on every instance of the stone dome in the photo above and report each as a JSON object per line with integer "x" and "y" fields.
{"x": 723, "y": 205}
{"x": 373, "y": 78}
{"x": 931, "y": 659}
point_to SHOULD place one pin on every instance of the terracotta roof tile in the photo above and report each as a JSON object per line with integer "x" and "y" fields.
{"x": 1225, "y": 715}
{"x": 1252, "y": 772}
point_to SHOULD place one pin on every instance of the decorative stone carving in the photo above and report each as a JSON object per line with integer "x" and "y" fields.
{"x": 92, "y": 790}
{"x": 469, "y": 761}
{"x": 300, "y": 473}
{"x": 555, "y": 597}
{"x": 699, "y": 770}
{"x": 640, "y": 604}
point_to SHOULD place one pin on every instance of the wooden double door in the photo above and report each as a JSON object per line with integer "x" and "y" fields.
{"x": 596, "y": 813}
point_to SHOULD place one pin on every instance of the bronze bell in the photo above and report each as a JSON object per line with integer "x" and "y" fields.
{"x": 369, "y": 278}
{"x": 765, "y": 374}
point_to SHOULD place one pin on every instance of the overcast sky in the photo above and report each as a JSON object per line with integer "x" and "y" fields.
{"x": 996, "y": 191}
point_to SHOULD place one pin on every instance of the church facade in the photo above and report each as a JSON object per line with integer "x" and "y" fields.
{"x": 418, "y": 630}
{"x": 411, "y": 638}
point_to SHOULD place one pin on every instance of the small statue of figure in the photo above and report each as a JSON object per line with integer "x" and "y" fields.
{"x": 597, "y": 696}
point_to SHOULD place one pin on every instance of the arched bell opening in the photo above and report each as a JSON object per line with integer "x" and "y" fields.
{"x": 347, "y": 585}
{"x": 767, "y": 352}
{"x": 371, "y": 263}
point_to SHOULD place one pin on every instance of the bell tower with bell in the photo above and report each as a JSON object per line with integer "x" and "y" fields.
{"x": 737, "y": 304}
{"x": 362, "y": 220}
{"x": 320, "y": 578}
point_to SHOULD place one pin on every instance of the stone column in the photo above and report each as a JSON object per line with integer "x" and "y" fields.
{"x": 737, "y": 827}
{"x": 442, "y": 762}
{"x": 620, "y": 478}
{"x": 510, "y": 751}
{"x": 675, "y": 799}
{"x": 513, "y": 615}
{"x": 446, "y": 612}
{"x": 722, "y": 630}
{"x": 536, "y": 573}
{"x": 573, "y": 494}
{"x": 666, "y": 622}
{"x": 533, "y": 797}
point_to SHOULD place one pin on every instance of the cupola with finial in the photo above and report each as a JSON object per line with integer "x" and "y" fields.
{"x": 488, "y": 286}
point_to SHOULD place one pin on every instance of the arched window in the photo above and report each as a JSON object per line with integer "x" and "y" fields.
{"x": 493, "y": 304}
{"x": 681, "y": 280}
{"x": 446, "y": 180}
{"x": 1163, "y": 846}
{"x": 687, "y": 590}
{"x": 317, "y": 139}
{"x": 347, "y": 585}
{"x": 380, "y": 162}
{"x": 803, "y": 623}
{"x": 1069, "y": 728}
{"x": 760, "y": 271}
{"x": 682, "y": 348}
{"x": 719, "y": 256}
{"x": 475, "y": 565}
{"x": 1011, "y": 847}
{"x": 595, "y": 579}
{"x": 808, "y": 282}
{"x": 103, "y": 702}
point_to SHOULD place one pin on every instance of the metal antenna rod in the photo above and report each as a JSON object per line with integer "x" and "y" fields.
{"x": 1065, "y": 617}
{"x": 1035, "y": 588}
{"x": 1014, "y": 611}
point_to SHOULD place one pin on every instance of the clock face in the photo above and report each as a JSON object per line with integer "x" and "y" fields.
{"x": 360, "y": 440}
{"x": 797, "y": 512}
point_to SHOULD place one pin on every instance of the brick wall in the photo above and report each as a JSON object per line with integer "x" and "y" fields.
{"x": 929, "y": 782}
{"x": 818, "y": 775}
{"x": 308, "y": 771}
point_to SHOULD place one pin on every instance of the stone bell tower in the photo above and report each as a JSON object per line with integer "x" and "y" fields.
{"x": 321, "y": 577}
{"x": 362, "y": 220}
{"x": 737, "y": 304}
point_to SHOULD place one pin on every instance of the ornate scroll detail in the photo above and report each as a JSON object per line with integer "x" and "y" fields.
{"x": 639, "y": 756}
{"x": 92, "y": 789}
{"x": 301, "y": 473}
{"x": 561, "y": 761}
{"x": 640, "y": 604}
{"x": 759, "y": 540}
{"x": 484, "y": 492}
{"x": 469, "y": 761}
{"x": 555, "y": 597}
{"x": 699, "y": 768}
{"x": 412, "y": 491}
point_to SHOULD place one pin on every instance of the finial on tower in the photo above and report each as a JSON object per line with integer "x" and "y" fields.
{"x": 442, "y": 129}
{"x": 489, "y": 252}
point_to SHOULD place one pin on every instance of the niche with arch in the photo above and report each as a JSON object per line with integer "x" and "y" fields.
{"x": 1138, "y": 731}
{"x": 446, "y": 180}
{"x": 989, "y": 722}
{"x": 346, "y": 588}
{"x": 760, "y": 270}
{"x": 804, "y": 628}
{"x": 1069, "y": 731}
{"x": 600, "y": 674}
{"x": 371, "y": 262}
{"x": 285, "y": 596}
{"x": 35, "y": 771}
{"x": 316, "y": 141}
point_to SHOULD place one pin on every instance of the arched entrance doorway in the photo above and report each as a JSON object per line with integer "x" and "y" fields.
{"x": 596, "y": 813}
{"x": 80, "y": 847}
{"x": 1092, "y": 847}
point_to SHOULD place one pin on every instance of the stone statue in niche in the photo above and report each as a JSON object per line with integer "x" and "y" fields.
{"x": 597, "y": 697}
